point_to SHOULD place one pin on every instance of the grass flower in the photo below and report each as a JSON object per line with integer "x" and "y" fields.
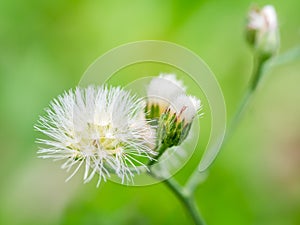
{"x": 100, "y": 128}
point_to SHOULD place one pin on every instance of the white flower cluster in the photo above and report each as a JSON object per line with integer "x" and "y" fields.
{"x": 103, "y": 129}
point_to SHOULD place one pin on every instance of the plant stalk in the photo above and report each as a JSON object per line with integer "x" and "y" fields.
{"x": 186, "y": 194}
{"x": 186, "y": 198}
{"x": 196, "y": 178}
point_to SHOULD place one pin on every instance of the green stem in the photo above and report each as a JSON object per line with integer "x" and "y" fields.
{"x": 186, "y": 195}
{"x": 256, "y": 74}
{"x": 159, "y": 151}
{"x": 257, "y": 71}
{"x": 196, "y": 178}
{"x": 186, "y": 198}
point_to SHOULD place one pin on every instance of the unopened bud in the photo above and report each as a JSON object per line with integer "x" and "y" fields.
{"x": 175, "y": 123}
{"x": 262, "y": 30}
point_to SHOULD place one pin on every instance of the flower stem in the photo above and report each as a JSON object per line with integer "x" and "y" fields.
{"x": 186, "y": 198}
{"x": 256, "y": 77}
{"x": 196, "y": 178}
{"x": 186, "y": 194}
{"x": 160, "y": 150}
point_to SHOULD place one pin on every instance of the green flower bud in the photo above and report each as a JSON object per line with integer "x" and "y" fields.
{"x": 171, "y": 131}
{"x": 170, "y": 110}
{"x": 175, "y": 123}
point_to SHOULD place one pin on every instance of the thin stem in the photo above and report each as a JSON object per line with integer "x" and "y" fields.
{"x": 193, "y": 210}
{"x": 258, "y": 70}
{"x": 256, "y": 74}
{"x": 186, "y": 198}
{"x": 196, "y": 178}
{"x": 160, "y": 151}
{"x": 238, "y": 115}
{"x": 186, "y": 195}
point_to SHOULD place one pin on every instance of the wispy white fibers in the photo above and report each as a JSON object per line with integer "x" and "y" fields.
{"x": 102, "y": 129}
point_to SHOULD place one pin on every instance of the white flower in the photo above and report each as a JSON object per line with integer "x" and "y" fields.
{"x": 103, "y": 129}
{"x": 167, "y": 92}
{"x": 264, "y": 20}
{"x": 185, "y": 107}
{"x": 162, "y": 90}
{"x": 171, "y": 109}
{"x": 263, "y": 29}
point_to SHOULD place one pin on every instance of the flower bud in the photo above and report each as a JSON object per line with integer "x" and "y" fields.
{"x": 262, "y": 30}
{"x": 175, "y": 123}
{"x": 160, "y": 92}
{"x": 170, "y": 110}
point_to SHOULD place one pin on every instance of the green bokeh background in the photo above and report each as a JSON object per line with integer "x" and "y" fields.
{"x": 45, "y": 46}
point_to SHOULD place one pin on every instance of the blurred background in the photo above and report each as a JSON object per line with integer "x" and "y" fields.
{"x": 45, "y": 46}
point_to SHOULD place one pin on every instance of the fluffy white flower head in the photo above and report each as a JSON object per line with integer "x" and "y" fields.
{"x": 100, "y": 128}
